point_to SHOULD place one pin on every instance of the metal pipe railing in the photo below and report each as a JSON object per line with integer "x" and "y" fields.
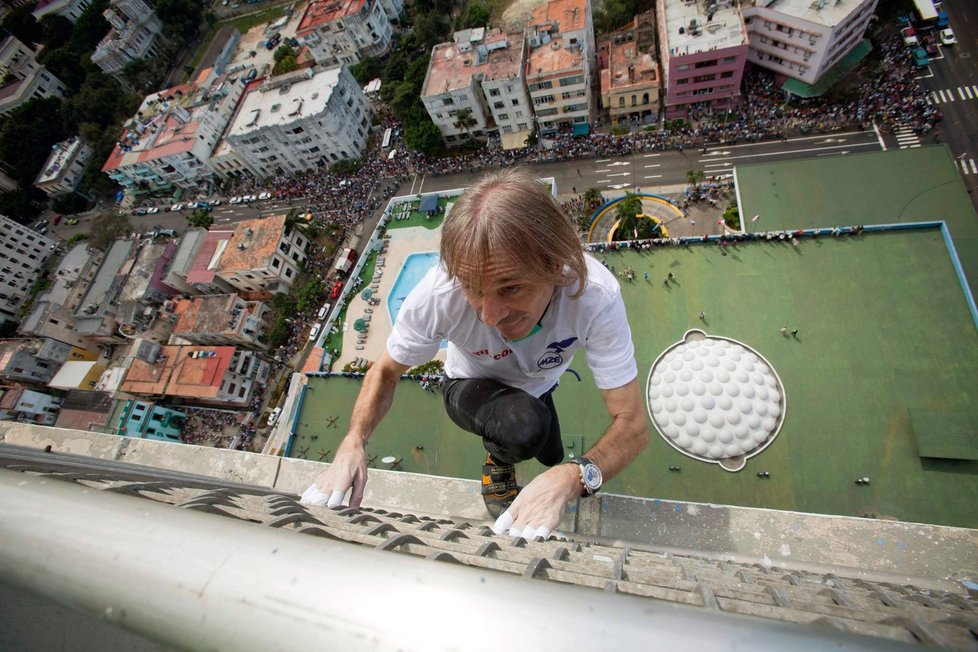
{"x": 194, "y": 581}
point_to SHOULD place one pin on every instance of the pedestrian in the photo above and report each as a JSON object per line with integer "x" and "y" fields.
{"x": 665, "y": 281}
{"x": 671, "y": 276}
{"x": 574, "y": 188}
{"x": 784, "y": 331}
{"x": 507, "y": 226}
{"x": 702, "y": 316}
{"x": 794, "y": 333}
{"x": 646, "y": 277}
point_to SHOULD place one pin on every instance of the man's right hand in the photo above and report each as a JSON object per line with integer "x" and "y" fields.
{"x": 348, "y": 469}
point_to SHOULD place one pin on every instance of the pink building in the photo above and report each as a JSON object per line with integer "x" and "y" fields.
{"x": 704, "y": 51}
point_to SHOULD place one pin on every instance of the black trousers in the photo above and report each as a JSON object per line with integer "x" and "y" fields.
{"x": 514, "y": 425}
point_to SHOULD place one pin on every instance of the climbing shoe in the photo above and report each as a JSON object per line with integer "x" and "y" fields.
{"x": 499, "y": 488}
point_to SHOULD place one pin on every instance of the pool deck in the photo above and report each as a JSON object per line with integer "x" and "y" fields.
{"x": 401, "y": 244}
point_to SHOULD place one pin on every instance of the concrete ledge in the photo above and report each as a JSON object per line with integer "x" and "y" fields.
{"x": 905, "y": 553}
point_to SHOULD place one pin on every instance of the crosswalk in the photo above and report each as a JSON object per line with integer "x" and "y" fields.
{"x": 906, "y": 138}
{"x": 948, "y": 95}
{"x": 968, "y": 166}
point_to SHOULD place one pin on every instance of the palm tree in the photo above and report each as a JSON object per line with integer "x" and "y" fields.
{"x": 465, "y": 120}
{"x": 294, "y": 218}
{"x": 631, "y": 223}
{"x": 592, "y": 198}
{"x": 693, "y": 177}
{"x": 200, "y": 219}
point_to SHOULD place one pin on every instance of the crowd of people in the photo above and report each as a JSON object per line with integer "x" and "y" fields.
{"x": 210, "y": 427}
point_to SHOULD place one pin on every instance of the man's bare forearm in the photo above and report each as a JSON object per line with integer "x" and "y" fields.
{"x": 627, "y": 435}
{"x": 374, "y": 400}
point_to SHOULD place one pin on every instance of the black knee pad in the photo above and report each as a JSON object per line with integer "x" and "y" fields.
{"x": 521, "y": 429}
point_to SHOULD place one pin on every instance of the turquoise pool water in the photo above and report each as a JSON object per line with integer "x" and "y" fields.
{"x": 414, "y": 268}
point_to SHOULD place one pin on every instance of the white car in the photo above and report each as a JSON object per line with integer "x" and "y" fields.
{"x": 947, "y": 37}
{"x": 315, "y": 331}
{"x": 235, "y": 200}
{"x": 273, "y": 417}
{"x": 216, "y": 202}
{"x": 152, "y": 211}
{"x": 324, "y": 311}
{"x": 176, "y": 207}
{"x": 249, "y": 198}
{"x": 265, "y": 195}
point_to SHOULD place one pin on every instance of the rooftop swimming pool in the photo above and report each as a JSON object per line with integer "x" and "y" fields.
{"x": 412, "y": 271}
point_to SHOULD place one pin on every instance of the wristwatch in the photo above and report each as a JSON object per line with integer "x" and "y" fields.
{"x": 590, "y": 476}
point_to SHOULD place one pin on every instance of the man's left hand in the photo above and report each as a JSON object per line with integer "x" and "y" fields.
{"x": 539, "y": 506}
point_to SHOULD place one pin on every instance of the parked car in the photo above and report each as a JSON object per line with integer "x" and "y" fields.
{"x": 920, "y": 58}
{"x": 71, "y": 221}
{"x": 273, "y": 417}
{"x": 176, "y": 207}
{"x": 264, "y": 195}
{"x": 249, "y": 198}
{"x": 152, "y": 210}
{"x": 216, "y": 202}
{"x": 56, "y": 220}
{"x": 947, "y": 36}
{"x": 139, "y": 211}
{"x": 909, "y": 36}
{"x": 315, "y": 331}
{"x": 324, "y": 311}
{"x": 235, "y": 200}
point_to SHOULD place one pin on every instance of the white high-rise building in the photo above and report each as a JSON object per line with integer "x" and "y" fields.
{"x": 133, "y": 35}
{"x": 64, "y": 167}
{"x": 28, "y": 78}
{"x": 23, "y": 252}
{"x": 345, "y": 31}
{"x": 803, "y": 39}
{"x": 301, "y": 120}
{"x": 70, "y": 9}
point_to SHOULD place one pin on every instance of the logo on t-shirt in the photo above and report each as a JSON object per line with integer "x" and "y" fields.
{"x": 552, "y": 357}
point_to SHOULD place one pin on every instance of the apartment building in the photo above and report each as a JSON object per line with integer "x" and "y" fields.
{"x": 135, "y": 29}
{"x": 345, "y": 31}
{"x": 52, "y": 313}
{"x": 219, "y": 320}
{"x": 704, "y": 51}
{"x": 300, "y": 121}
{"x": 96, "y": 312}
{"x": 70, "y": 9}
{"x": 630, "y": 79}
{"x": 804, "y": 39}
{"x": 28, "y": 406}
{"x": 27, "y": 78}
{"x": 201, "y": 270}
{"x": 452, "y": 92}
{"x": 64, "y": 168}
{"x": 23, "y": 252}
{"x": 34, "y": 361}
{"x": 560, "y": 66}
{"x": 170, "y": 139}
{"x": 214, "y": 375}
{"x": 147, "y": 420}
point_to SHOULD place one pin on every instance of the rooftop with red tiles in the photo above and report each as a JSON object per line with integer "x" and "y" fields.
{"x": 325, "y": 11}
{"x": 253, "y": 244}
{"x": 564, "y": 15}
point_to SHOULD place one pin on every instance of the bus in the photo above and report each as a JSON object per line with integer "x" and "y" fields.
{"x": 389, "y": 134}
{"x": 928, "y": 16}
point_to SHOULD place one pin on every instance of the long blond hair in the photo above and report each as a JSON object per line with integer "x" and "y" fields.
{"x": 510, "y": 215}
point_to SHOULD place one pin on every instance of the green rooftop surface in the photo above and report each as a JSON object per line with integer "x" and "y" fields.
{"x": 944, "y": 434}
{"x": 893, "y": 187}
{"x": 883, "y": 330}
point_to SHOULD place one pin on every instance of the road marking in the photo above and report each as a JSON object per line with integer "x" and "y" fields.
{"x": 654, "y": 165}
{"x": 804, "y": 151}
{"x": 602, "y": 160}
{"x": 602, "y": 171}
{"x": 967, "y": 91}
{"x": 652, "y": 176}
{"x": 617, "y": 163}
{"x": 974, "y": 168}
{"x": 794, "y": 140}
{"x": 961, "y": 93}
{"x": 620, "y": 174}
{"x": 650, "y": 155}
{"x": 718, "y": 165}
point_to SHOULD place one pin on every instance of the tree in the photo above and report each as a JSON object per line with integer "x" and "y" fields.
{"x": 631, "y": 224}
{"x": 21, "y": 23}
{"x": 731, "y": 216}
{"x": 693, "y": 177}
{"x": 424, "y": 136}
{"x": 464, "y": 120}
{"x": 106, "y": 228}
{"x": 200, "y": 219}
{"x": 21, "y": 204}
{"x": 367, "y": 70}
{"x": 477, "y": 16}
{"x": 285, "y": 64}
{"x": 592, "y": 198}
{"x": 27, "y": 135}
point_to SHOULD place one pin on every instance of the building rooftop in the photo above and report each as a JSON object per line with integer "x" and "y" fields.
{"x": 205, "y": 264}
{"x": 325, "y": 11}
{"x": 61, "y": 155}
{"x": 627, "y": 66}
{"x": 83, "y": 409}
{"x": 179, "y": 373}
{"x": 691, "y": 28}
{"x": 107, "y": 281}
{"x": 267, "y": 105}
{"x": 252, "y": 245}
{"x": 561, "y": 15}
{"x": 822, "y": 12}
{"x": 207, "y": 314}
{"x": 498, "y": 56}
{"x": 551, "y": 58}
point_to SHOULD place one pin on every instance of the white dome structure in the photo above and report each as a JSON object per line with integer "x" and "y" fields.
{"x": 715, "y": 399}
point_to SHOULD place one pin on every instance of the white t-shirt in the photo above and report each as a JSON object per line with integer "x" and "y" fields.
{"x": 436, "y": 309}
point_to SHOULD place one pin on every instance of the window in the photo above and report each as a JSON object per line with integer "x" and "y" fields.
{"x": 684, "y": 80}
{"x": 498, "y": 105}
{"x": 704, "y": 78}
{"x": 709, "y": 63}
{"x": 448, "y": 101}
{"x": 572, "y": 81}
{"x": 515, "y": 102}
{"x": 727, "y": 74}
{"x": 288, "y": 272}
{"x": 621, "y": 102}
{"x": 493, "y": 92}
{"x": 504, "y": 116}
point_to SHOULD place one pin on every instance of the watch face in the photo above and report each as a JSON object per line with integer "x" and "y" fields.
{"x": 592, "y": 477}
